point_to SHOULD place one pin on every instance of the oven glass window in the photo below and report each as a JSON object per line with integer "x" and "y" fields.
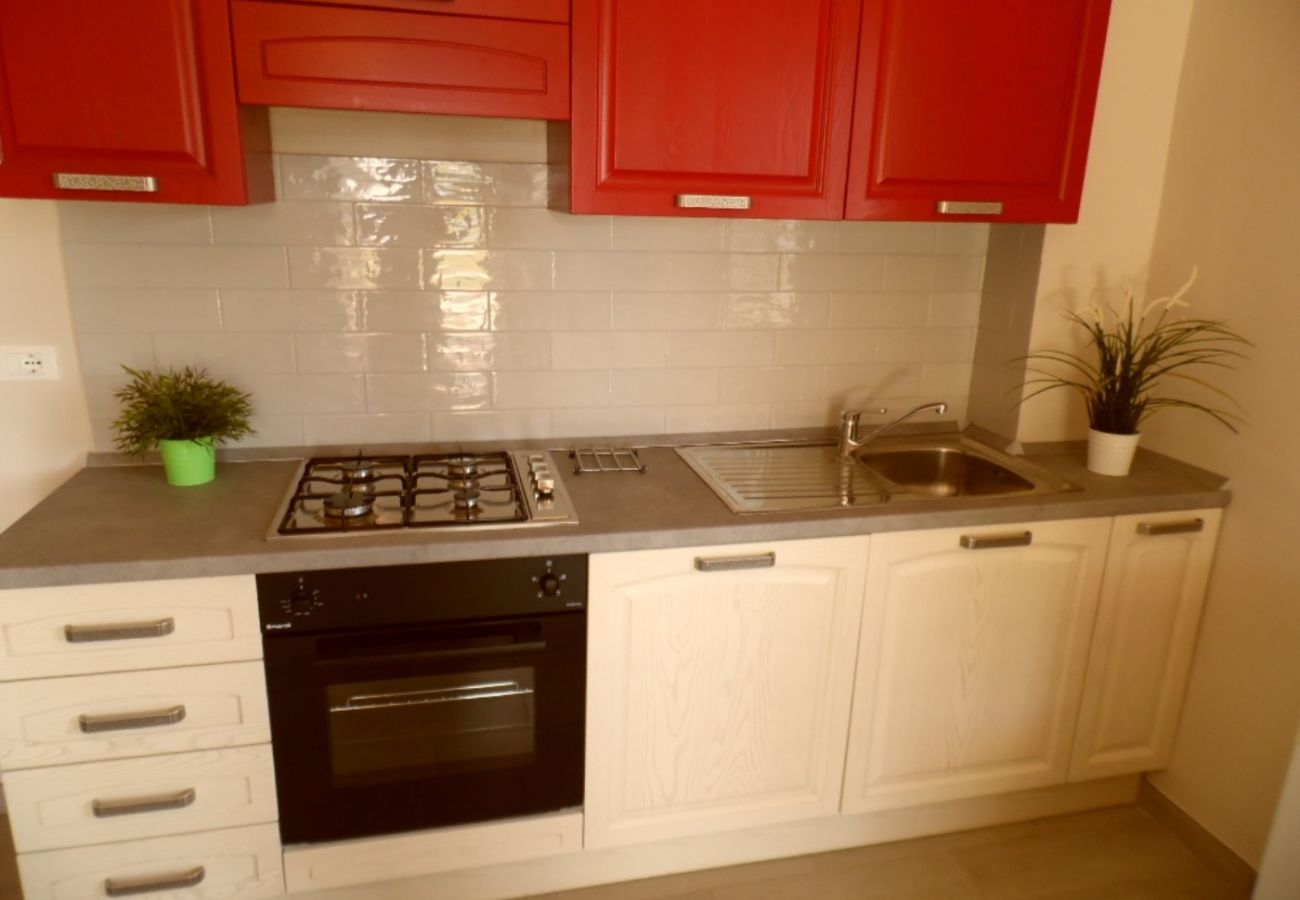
{"x": 411, "y": 728}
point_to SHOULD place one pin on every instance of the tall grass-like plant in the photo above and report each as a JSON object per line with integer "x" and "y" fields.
{"x": 1137, "y": 349}
{"x": 188, "y": 405}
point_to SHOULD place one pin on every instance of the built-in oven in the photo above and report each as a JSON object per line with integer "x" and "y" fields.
{"x": 421, "y": 696}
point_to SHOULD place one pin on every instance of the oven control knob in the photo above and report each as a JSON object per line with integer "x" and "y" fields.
{"x": 549, "y": 585}
{"x": 545, "y": 486}
{"x": 302, "y": 602}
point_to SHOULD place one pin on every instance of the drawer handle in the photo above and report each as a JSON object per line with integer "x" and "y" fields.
{"x": 123, "y": 721}
{"x": 994, "y": 541}
{"x": 732, "y": 563}
{"x": 1185, "y": 527}
{"x": 77, "y": 181}
{"x": 714, "y": 201}
{"x": 125, "y": 887}
{"x": 105, "y": 809}
{"x": 84, "y": 634}
{"x": 969, "y": 208}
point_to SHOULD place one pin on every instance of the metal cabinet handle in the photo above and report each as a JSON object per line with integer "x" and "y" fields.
{"x": 1184, "y": 527}
{"x": 969, "y": 208}
{"x": 732, "y": 563}
{"x": 123, "y": 721}
{"x": 994, "y": 541}
{"x": 125, "y": 887}
{"x": 84, "y": 634}
{"x": 105, "y": 809}
{"x": 713, "y": 201}
{"x": 79, "y": 181}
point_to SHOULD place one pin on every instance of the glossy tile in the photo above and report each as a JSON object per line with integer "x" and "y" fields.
{"x": 550, "y": 311}
{"x": 667, "y": 311}
{"x": 106, "y": 354}
{"x": 543, "y": 229}
{"x": 506, "y": 425}
{"x": 962, "y": 238}
{"x": 488, "y": 351}
{"x": 227, "y": 354}
{"x": 323, "y": 311}
{"x": 728, "y": 417}
{"x": 773, "y": 384}
{"x": 117, "y": 310}
{"x": 942, "y": 379}
{"x": 103, "y": 265}
{"x": 723, "y": 272}
{"x": 280, "y": 394}
{"x": 487, "y": 184}
{"x": 361, "y": 353}
{"x": 846, "y": 345}
{"x": 273, "y": 431}
{"x": 370, "y": 179}
{"x": 616, "y": 271}
{"x": 885, "y": 237}
{"x": 954, "y": 309}
{"x": 435, "y": 392}
{"x": 779, "y": 236}
{"x": 955, "y": 345}
{"x": 214, "y": 267}
{"x": 666, "y": 233}
{"x": 958, "y": 273}
{"x": 480, "y": 270}
{"x": 608, "y": 350}
{"x": 286, "y": 223}
{"x": 344, "y": 268}
{"x": 607, "y": 422}
{"x": 773, "y": 310}
{"x": 691, "y": 349}
{"x": 549, "y": 390}
{"x": 134, "y": 223}
{"x": 908, "y": 273}
{"x": 819, "y": 272}
{"x": 884, "y": 309}
{"x": 395, "y": 225}
{"x": 366, "y": 430}
{"x": 866, "y": 386}
{"x": 663, "y": 387}
{"x": 425, "y": 310}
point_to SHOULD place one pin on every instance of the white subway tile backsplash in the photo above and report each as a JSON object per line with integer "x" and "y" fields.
{"x": 420, "y": 393}
{"x": 274, "y": 431}
{"x": 145, "y": 311}
{"x": 389, "y": 300}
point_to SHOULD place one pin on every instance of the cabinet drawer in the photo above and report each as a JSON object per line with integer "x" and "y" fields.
{"x": 290, "y": 54}
{"x": 155, "y": 796}
{"x": 133, "y": 625}
{"x": 96, "y": 717}
{"x": 237, "y": 862}
{"x": 536, "y": 10}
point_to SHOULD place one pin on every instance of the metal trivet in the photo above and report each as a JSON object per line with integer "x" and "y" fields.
{"x": 591, "y": 460}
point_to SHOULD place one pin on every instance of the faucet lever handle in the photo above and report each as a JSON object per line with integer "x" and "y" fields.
{"x": 850, "y": 415}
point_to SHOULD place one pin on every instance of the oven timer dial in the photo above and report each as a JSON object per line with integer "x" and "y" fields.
{"x": 550, "y": 584}
{"x": 301, "y": 602}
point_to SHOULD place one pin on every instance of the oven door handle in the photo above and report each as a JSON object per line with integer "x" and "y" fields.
{"x": 451, "y": 653}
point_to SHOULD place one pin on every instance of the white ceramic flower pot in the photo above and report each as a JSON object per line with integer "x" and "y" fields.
{"x": 1111, "y": 454}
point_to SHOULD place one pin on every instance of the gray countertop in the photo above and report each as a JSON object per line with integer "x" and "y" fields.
{"x": 124, "y": 523}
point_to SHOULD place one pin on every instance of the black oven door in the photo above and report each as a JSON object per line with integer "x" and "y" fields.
{"x": 422, "y": 726}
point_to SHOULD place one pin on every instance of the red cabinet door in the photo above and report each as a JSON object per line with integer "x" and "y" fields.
{"x": 126, "y": 101}
{"x": 974, "y": 110}
{"x": 294, "y": 54}
{"x": 539, "y": 10}
{"x": 680, "y": 105}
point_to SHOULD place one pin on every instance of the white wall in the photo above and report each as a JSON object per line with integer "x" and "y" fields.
{"x": 46, "y": 432}
{"x": 1232, "y": 208}
{"x": 1121, "y": 197}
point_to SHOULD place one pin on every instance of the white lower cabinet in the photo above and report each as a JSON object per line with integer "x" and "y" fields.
{"x": 719, "y": 684}
{"x": 972, "y": 658}
{"x": 1156, "y": 576}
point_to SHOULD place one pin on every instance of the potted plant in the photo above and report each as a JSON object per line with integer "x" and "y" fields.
{"x": 1133, "y": 352}
{"x": 185, "y": 414}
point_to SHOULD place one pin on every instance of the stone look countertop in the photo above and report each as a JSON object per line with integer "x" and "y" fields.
{"x": 124, "y": 523}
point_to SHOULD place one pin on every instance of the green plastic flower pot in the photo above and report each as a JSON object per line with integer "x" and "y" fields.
{"x": 189, "y": 462}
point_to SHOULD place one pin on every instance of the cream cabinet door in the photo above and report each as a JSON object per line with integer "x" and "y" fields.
{"x": 1151, "y": 600}
{"x": 971, "y": 664}
{"x": 718, "y": 686}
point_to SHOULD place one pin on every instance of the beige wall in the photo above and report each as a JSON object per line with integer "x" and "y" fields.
{"x": 46, "y": 433}
{"x": 1232, "y": 207}
{"x": 1121, "y": 198}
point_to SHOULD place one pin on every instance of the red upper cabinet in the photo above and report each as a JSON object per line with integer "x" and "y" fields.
{"x": 540, "y": 10}
{"x": 974, "y": 110}
{"x": 720, "y": 107}
{"x": 298, "y": 54}
{"x": 126, "y": 101}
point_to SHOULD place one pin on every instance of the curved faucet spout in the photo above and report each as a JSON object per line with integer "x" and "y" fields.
{"x": 849, "y": 440}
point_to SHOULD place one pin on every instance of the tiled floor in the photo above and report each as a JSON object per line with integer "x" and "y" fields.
{"x": 1105, "y": 855}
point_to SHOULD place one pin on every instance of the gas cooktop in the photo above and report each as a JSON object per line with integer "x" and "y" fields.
{"x": 333, "y": 495}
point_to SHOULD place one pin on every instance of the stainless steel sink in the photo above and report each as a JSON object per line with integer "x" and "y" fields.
{"x": 948, "y": 467}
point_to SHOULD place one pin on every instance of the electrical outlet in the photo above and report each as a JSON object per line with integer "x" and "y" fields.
{"x": 29, "y": 364}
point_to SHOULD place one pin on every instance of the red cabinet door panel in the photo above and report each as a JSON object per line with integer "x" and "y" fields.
{"x": 134, "y": 101}
{"x": 291, "y": 54}
{"x": 968, "y": 104}
{"x": 535, "y": 10}
{"x": 747, "y": 102}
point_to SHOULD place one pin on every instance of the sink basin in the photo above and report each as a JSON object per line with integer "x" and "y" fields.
{"x": 776, "y": 477}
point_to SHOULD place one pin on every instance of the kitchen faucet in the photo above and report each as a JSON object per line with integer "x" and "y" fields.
{"x": 849, "y": 440}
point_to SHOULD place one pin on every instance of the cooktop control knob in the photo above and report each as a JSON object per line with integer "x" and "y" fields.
{"x": 302, "y": 602}
{"x": 549, "y": 585}
{"x": 545, "y": 486}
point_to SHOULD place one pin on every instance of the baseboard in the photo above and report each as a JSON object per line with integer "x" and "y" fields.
{"x": 1213, "y": 851}
{"x": 592, "y": 867}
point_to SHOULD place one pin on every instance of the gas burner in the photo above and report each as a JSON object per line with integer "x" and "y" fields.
{"x": 462, "y": 466}
{"x": 359, "y": 470}
{"x": 467, "y": 500}
{"x": 346, "y": 506}
{"x": 463, "y": 484}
